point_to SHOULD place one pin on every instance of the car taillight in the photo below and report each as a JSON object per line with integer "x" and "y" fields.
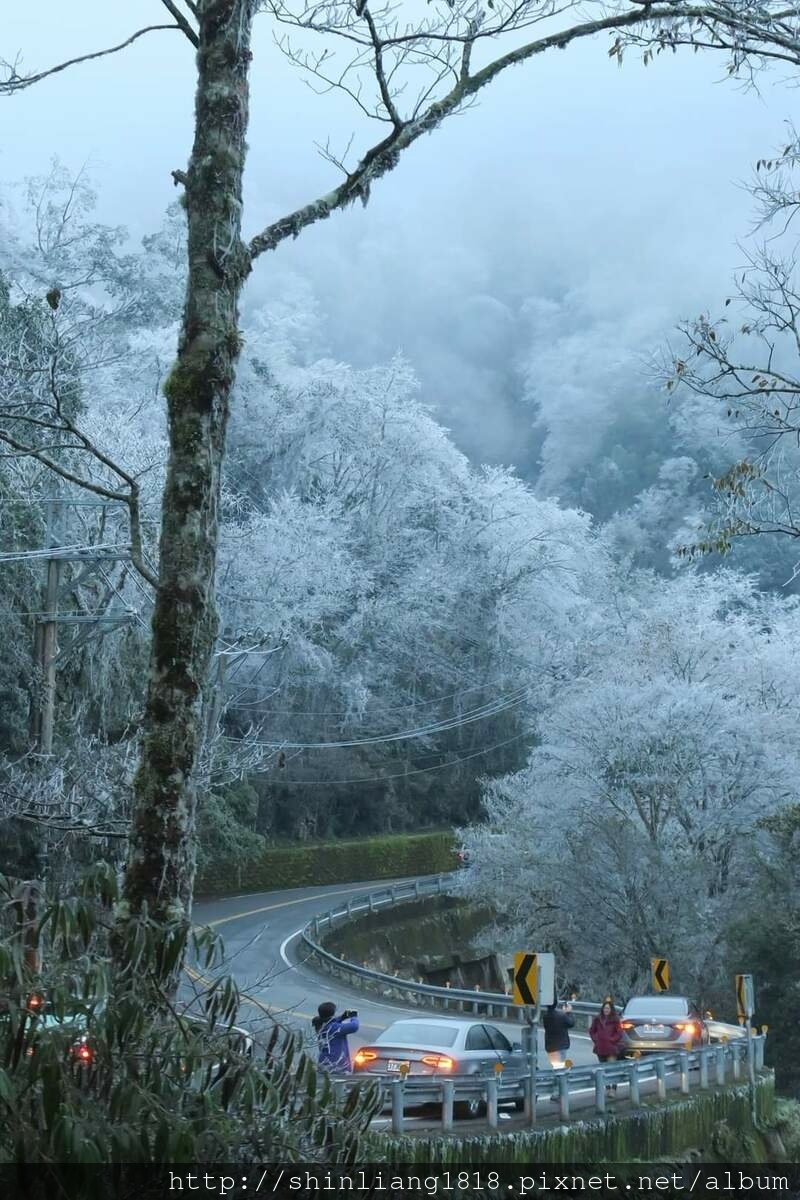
{"x": 364, "y": 1056}
{"x": 687, "y": 1027}
{"x": 82, "y": 1054}
{"x": 627, "y": 1025}
{"x": 439, "y": 1062}
{"x": 34, "y": 1003}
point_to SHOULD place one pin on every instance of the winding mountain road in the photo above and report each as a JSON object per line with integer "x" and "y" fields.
{"x": 262, "y": 945}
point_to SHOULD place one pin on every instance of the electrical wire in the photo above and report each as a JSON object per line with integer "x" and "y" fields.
{"x": 402, "y": 774}
{"x": 75, "y": 612}
{"x": 504, "y": 704}
{"x": 110, "y": 583}
{"x": 276, "y": 712}
{"x": 60, "y": 500}
{"x": 10, "y": 556}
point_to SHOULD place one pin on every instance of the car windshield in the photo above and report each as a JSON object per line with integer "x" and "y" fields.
{"x": 418, "y": 1033}
{"x": 52, "y": 1020}
{"x": 657, "y": 1006}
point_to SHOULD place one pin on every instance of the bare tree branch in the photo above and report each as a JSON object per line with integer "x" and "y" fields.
{"x": 383, "y": 156}
{"x": 16, "y": 83}
{"x": 181, "y": 21}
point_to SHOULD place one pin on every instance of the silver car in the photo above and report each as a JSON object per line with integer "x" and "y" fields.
{"x": 445, "y": 1049}
{"x": 665, "y": 1023}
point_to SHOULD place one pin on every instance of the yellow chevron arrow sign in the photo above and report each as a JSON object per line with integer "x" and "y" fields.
{"x": 659, "y": 971}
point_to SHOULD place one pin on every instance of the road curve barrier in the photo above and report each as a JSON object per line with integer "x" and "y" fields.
{"x": 560, "y": 1093}
{"x": 706, "y": 1067}
{"x": 407, "y": 991}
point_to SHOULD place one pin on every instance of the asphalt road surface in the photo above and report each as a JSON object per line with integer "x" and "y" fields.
{"x": 262, "y": 947}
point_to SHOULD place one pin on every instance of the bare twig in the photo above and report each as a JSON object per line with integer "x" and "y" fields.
{"x": 16, "y": 82}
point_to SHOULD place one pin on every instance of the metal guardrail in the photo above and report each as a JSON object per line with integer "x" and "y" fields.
{"x": 657, "y": 1073}
{"x": 709, "y": 1066}
{"x": 427, "y": 995}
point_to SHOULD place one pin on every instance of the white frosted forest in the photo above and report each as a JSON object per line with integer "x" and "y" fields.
{"x": 481, "y": 523}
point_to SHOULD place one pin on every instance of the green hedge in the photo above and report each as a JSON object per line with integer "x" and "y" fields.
{"x": 278, "y": 867}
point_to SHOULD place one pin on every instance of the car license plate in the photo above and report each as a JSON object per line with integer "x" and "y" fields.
{"x": 654, "y": 1030}
{"x": 394, "y": 1065}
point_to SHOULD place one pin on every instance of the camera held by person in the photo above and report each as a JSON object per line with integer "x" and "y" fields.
{"x": 332, "y": 1033}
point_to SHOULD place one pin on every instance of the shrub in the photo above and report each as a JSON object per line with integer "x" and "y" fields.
{"x": 100, "y": 1064}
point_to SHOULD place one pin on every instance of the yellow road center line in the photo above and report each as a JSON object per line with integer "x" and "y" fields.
{"x": 196, "y": 977}
{"x": 254, "y": 912}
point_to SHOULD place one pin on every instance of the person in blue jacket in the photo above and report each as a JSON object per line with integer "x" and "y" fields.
{"x": 332, "y": 1033}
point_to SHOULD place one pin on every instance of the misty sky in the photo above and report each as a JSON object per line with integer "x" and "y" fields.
{"x": 612, "y": 194}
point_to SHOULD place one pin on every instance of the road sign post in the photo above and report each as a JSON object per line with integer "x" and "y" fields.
{"x": 532, "y": 984}
{"x": 530, "y": 1043}
{"x": 745, "y": 1008}
{"x": 659, "y": 973}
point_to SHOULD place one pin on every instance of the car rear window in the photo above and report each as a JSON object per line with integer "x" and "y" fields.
{"x": 657, "y": 1006}
{"x": 418, "y": 1033}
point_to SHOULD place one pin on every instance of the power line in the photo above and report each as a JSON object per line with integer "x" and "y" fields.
{"x": 479, "y": 714}
{"x": 403, "y": 774}
{"x": 60, "y": 500}
{"x": 76, "y": 612}
{"x": 276, "y": 712}
{"x": 10, "y": 556}
{"x": 110, "y": 583}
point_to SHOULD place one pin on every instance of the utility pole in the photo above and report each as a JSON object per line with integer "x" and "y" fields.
{"x": 49, "y": 643}
{"x": 45, "y": 639}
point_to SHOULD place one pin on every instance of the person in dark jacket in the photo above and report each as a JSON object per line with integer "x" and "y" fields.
{"x": 332, "y": 1033}
{"x": 557, "y": 1023}
{"x": 606, "y": 1033}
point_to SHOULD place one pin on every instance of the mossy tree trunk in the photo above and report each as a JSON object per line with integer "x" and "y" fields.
{"x": 160, "y": 867}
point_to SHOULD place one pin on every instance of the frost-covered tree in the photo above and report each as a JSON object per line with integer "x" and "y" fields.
{"x": 408, "y": 596}
{"x": 383, "y": 603}
{"x": 625, "y": 834}
{"x": 408, "y": 76}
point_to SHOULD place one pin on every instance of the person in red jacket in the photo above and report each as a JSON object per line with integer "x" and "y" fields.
{"x": 606, "y": 1034}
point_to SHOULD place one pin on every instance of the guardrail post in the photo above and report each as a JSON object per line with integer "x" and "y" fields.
{"x": 600, "y": 1090}
{"x": 339, "y": 1090}
{"x": 448, "y": 1088}
{"x": 684, "y": 1061}
{"x": 633, "y": 1081}
{"x": 661, "y": 1079}
{"x": 491, "y": 1102}
{"x": 720, "y": 1057}
{"x": 398, "y": 1122}
{"x": 371, "y": 899}
{"x": 759, "y": 1045}
{"x": 349, "y": 908}
{"x": 529, "y": 1093}
{"x": 703, "y": 1066}
{"x": 316, "y": 927}
{"x": 563, "y": 1095}
{"x": 737, "y": 1062}
{"x": 416, "y": 888}
{"x": 393, "y": 894}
